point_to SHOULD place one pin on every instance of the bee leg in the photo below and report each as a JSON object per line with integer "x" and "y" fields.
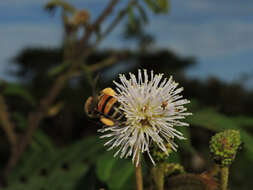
{"x": 106, "y": 121}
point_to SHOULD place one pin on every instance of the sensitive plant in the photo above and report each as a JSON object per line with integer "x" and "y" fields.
{"x": 71, "y": 163}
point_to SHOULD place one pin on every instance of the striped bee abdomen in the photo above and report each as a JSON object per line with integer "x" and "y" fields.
{"x": 109, "y": 106}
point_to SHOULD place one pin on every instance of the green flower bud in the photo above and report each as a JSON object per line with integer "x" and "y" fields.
{"x": 224, "y": 146}
{"x": 159, "y": 155}
{"x": 173, "y": 169}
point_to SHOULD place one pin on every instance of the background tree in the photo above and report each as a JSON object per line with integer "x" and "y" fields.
{"x": 47, "y": 140}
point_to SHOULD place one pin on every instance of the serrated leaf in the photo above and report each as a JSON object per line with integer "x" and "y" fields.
{"x": 20, "y": 91}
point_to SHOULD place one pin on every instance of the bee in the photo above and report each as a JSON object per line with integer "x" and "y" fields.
{"x": 105, "y": 107}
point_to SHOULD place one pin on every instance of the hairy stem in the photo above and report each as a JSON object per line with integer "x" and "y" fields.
{"x": 224, "y": 178}
{"x": 138, "y": 174}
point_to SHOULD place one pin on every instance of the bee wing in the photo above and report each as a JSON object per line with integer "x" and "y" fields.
{"x": 95, "y": 91}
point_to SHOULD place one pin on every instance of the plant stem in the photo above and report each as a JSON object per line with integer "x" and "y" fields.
{"x": 224, "y": 178}
{"x": 99, "y": 20}
{"x": 38, "y": 115}
{"x": 214, "y": 171}
{"x": 158, "y": 176}
{"x": 7, "y": 125}
{"x": 138, "y": 174}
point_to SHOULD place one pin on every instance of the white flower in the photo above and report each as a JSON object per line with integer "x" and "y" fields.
{"x": 152, "y": 107}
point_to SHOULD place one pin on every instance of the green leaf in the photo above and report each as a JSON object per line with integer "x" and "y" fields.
{"x": 20, "y": 91}
{"x": 104, "y": 166}
{"x": 248, "y": 142}
{"x": 122, "y": 172}
{"x": 43, "y": 140}
{"x": 51, "y": 5}
{"x": 89, "y": 148}
{"x": 193, "y": 106}
{"x": 21, "y": 120}
{"x": 40, "y": 139}
{"x": 186, "y": 144}
{"x": 158, "y": 6}
{"x": 61, "y": 169}
{"x": 142, "y": 13}
{"x": 163, "y": 5}
{"x": 212, "y": 120}
{"x": 244, "y": 121}
{"x": 131, "y": 18}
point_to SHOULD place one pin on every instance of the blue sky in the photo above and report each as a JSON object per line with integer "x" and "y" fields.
{"x": 218, "y": 33}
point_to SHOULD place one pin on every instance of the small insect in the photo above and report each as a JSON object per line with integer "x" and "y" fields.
{"x": 105, "y": 107}
{"x": 164, "y": 105}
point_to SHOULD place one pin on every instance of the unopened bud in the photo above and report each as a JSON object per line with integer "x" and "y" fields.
{"x": 160, "y": 155}
{"x": 224, "y": 146}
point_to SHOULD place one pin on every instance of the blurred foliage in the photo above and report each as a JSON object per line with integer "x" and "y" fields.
{"x": 158, "y": 6}
{"x": 190, "y": 182}
{"x": 65, "y": 154}
{"x": 209, "y": 117}
{"x": 46, "y": 167}
{"x": 17, "y": 90}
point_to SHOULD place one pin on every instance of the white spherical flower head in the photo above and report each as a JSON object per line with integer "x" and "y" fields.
{"x": 152, "y": 107}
